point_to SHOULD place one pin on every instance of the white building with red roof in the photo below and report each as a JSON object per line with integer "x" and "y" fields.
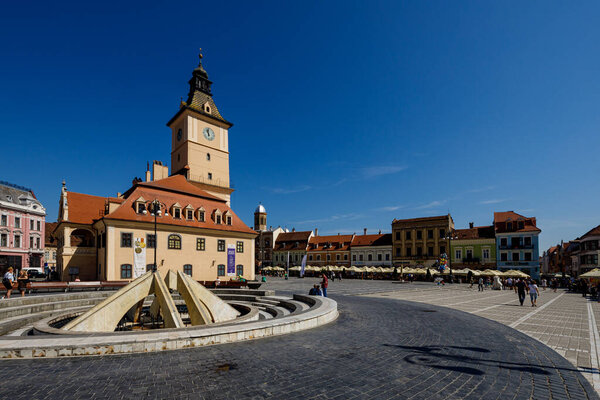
{"x": 517, "y": 245}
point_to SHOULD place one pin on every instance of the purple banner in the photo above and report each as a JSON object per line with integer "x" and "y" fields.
{"x": 230, "y": 260}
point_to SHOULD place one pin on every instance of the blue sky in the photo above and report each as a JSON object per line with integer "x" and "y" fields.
{"x": 346, "y": 114}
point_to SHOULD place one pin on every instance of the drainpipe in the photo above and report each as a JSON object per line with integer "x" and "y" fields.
{"x": 105, "y": 249}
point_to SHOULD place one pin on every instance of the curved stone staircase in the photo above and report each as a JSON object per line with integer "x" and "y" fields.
{"x": 26, "y": 324}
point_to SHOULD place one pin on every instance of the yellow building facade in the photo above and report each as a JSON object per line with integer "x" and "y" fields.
{"x": 182, "y": 221}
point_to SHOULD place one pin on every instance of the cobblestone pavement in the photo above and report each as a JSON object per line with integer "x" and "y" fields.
{"x": 378, "y": 348}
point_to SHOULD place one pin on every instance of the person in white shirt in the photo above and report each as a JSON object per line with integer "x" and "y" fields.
{"x": 7, "y": 281}
{"x": 533, "y": 293}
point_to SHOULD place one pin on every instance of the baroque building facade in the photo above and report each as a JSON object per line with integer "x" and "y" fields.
{"x": 22, "y": 228}
{"x": 177, "y": 222}
{"x": 421, "y": 241}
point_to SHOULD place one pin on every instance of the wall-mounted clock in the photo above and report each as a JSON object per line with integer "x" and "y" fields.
{"x": 208, "y": 133}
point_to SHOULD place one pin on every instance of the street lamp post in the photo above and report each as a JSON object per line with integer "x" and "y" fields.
{"x": 156, "y": 213}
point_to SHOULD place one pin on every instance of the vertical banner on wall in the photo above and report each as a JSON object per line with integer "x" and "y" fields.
{"x": 139, "y": 257}
{"x": 230, "y": 260}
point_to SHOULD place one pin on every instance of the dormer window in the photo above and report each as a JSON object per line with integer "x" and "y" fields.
{"x": 207, "y": 108}
{"x": 201, "y": 215}
{"x": 140, "y": 205}
{"x": 176, "y": 211}
{"x": 189, "y": 212}
{"x": 218, "y": 217}
{"x": 509, "y": 226}
{"x": 229, "y": 220}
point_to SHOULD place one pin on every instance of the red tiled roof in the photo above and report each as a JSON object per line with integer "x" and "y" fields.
{"x": 85, "y": 208}
{"x": 501, "y": 219}
{"x": 593, "y": 232}
{"x": 49, "y": 240}
{"x": 168, "y": 197}
{"x": 478, "y": 232}
{"x": 330, "y": 243}
{"x": 178, "y": 184}
{"x": 384, "y": 239}
{"x": 440, "y": 217}
{"x": 503, "y": 216}
{"x": 292, "y": 240}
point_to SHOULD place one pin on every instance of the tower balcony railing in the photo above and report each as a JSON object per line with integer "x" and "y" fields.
{"x": 214, "y": 182}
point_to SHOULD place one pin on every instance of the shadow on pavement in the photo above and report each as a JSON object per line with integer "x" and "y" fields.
{"x": 434, "y": 356}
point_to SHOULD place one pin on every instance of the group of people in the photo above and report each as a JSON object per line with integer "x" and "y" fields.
{"x": 9, "y": 278}
{"x": 321, "y": 290}
{"x": 527, "y": 285}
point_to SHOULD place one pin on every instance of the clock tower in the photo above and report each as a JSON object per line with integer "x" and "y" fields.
{"x": 200, "y": 139}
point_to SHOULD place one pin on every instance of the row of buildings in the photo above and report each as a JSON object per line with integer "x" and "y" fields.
{"x": 574, "y": 257}
{"x": 511, "y": 242}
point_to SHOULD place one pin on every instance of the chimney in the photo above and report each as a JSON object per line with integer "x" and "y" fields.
{"x": 148, "y": 174}
{"x": 293, "y": 229}
{"x": 380, "y": 231}
{"x": 470, "y": 225}
{"x": 316, "y": 231}
{"x": 365, "y": 231}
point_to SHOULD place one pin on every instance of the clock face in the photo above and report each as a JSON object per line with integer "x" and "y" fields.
{"x": 179, "y": 134}
{"x": 208, "y": 133}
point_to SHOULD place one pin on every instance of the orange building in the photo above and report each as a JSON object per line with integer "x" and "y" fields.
{"x": 329, "y": 250}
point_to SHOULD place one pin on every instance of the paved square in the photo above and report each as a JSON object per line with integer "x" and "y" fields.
{"x": 391, "y": 341}
{"x": 566, "y": 322}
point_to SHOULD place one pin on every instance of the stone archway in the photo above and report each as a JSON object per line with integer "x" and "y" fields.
{"x": 82, "y": 238}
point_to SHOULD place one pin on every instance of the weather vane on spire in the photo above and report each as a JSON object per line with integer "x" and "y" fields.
{"x": 200, "y": 54}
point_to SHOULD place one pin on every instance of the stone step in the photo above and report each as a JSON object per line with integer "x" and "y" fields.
{"x": 13, "y": 323}
{"x": 10, "y": 312}
{"x": 16, "y": 300}
{"x": 263, "y": 315}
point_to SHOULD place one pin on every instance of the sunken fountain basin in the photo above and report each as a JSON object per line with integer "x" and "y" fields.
{"x": 258, "y": 314}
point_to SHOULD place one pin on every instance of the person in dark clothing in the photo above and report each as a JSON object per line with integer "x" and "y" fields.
{"x": 521, "y": 290}
{"x": 315, "y": 291}
{"x": 584, "y": 287}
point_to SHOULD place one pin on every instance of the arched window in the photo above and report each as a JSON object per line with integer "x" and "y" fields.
{"x": 175, "y": 242}
{"x": 187, "y": 269}
{"x": 220, "y": 270}
{"x": 150, "y": 267}
{"x": 239, "y": 270}
{"x": 125, "y": 271}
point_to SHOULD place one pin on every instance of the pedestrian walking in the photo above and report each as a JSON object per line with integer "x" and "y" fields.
{"x": 534, "y": 292}
{"x": 480, "y": 285}
{"x": 584, "y": 287}
{"x": 544, "y": 284}
{"x": 7, "y": 281}
{"x": 520, "y": 288}
{"x": 324, "y": 284}
{"x": 22, "y": 282}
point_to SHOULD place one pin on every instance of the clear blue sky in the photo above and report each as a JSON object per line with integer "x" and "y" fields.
{"x": 347, "y": 114}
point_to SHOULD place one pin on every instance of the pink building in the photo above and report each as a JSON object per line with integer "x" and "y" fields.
{"x": 22, "y": 226}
